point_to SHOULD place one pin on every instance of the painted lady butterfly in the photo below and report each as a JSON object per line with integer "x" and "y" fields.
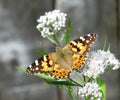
{"x": 63, "y": 61}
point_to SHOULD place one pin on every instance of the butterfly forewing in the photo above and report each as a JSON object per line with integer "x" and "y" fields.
{"x": 42, "y": 65}
{"x": 82, "y": 44}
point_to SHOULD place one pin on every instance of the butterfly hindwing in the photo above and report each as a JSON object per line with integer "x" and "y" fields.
{"x": 78, "y": 61}
{"x": 60, "y": 72}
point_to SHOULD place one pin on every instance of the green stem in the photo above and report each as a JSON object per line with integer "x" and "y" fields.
{"x": 53, "y": 38}
{"x": 70, "y": 92}
{"x": 77, "y": 93}
{"x": 56, "y": 38}
{"x": 86, "y": 98}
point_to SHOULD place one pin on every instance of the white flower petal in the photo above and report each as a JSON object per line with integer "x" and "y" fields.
{"x": 54, "y": 20}
{"x": 91, "y": 89}
{"x": 98, "y": 61}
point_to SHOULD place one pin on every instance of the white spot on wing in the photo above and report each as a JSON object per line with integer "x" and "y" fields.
{"x": 44, "y": 57}
{"x": 82, "y": 38}
{"x": 36, "y": 62}
{"x": 87, "y": 41}
{"x": 36, "y": 68}
{"x": 88, "y": 49}
{"x": 73, "y": 42}
{"x": 30, "y": 66}
{"x": 88, "y": 35}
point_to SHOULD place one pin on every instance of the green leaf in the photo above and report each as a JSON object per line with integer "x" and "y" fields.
{"x": 45, "y": 76}
{"x": 75, "y": 82}
{"x": 49, "y": 79}
{"x": 57, "y": 82}
{"x": 103, "y": 88}
{"x": 86, "y": 98}
{"x": 21, "y": 69}
{"x": 78, "y": 34}
{"x": 104, "y": 46}
{"x": 109, "y": 47}
{"x": 41, "y": 75}
{"x": 42, "y": 53}
{"x": 68, "y": 31}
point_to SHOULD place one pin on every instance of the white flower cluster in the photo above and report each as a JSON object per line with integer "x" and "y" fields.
{"x": 50, "y": 22}
{"x": 91, "y": 90}
{"x": 98, "y": 61}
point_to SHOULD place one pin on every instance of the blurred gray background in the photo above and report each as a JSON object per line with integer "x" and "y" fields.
{"x": 19, "y": 40}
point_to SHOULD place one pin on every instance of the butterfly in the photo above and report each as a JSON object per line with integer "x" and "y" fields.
{"x": 63, "y": 61}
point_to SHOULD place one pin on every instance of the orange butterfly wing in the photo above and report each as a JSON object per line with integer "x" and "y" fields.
{"x": 61, "y": 63}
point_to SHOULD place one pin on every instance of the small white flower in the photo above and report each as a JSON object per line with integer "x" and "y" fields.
{"x": 112, "y": 61}
{"x": 92, "y": 90}
{"x": 50, "y": 22}
{"x": 98, "y": 61}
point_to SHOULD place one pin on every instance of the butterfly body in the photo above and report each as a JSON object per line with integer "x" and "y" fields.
{"x": 63, "y": 58}
{"x": 63, "y": 61}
